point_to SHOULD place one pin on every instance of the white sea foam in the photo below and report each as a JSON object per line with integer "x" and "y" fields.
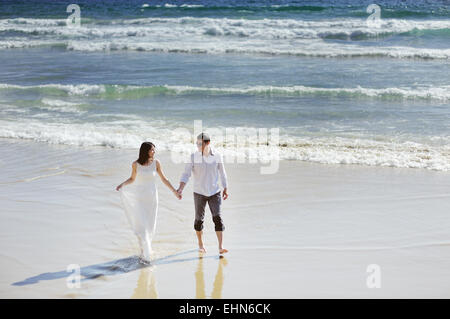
{"x": 258, "y": 28}
{"x": 87, "y": 134}
{"x": 61, "y": 106}
{"x": 339, "y": 150}
{"x": 306, "y": 49}
{"x": 328, "y": 150}
{"x": 71, "y": 89}
{"x": 224, "y": 35}
{"x": 185, "y": 5}
{"x": 441, "y": 93}
{"x": 33, "y": 22}
{"x": 433, "y": 93}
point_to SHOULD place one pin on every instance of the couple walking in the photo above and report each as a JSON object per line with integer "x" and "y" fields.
{"x": 140, "y": 196}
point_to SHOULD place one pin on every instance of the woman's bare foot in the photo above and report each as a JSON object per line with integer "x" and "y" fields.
{"x": 223, "y": 251}
{"x": 144, "y": 261}
{"x": 202, "y": 250}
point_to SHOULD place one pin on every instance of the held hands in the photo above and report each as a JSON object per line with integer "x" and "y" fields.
{"x": 180, "y": 192}
{"x": 177, "y": 194}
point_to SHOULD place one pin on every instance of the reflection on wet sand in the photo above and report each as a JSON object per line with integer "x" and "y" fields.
{"x": 110, "y": 268}
{"x": 218, "y": 280}
{"x": 146, "y": 285}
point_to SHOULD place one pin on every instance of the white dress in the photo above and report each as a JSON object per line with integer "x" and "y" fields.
{"x": 140, "y": 201}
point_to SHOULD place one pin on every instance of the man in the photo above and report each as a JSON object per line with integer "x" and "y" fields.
{"x": 207, "y": 166}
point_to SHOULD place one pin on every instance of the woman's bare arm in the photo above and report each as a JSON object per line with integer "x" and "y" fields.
{"x": 165, "y": 180}
{"x": 131, "y": 178}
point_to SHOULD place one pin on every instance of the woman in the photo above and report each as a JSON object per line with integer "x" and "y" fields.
{"x": 140, "y": 199}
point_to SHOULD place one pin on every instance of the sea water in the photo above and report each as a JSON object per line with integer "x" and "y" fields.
{"x": 339, "y": 89}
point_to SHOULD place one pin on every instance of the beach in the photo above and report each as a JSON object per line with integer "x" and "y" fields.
{"x": 353, "y": 104}
{"x": 309, "y": 231}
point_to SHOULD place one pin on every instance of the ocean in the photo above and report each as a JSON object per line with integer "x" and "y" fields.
{"x": 339, "y": 89}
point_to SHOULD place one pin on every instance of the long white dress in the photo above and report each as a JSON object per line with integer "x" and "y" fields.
{"x": 140, "y": 201}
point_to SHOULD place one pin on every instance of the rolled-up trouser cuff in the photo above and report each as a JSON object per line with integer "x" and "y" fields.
{"x": 198, "y": 225}
{"x": 219, "y": 226}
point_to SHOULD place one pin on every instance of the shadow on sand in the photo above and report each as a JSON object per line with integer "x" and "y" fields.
{"x": 111, "y": 268}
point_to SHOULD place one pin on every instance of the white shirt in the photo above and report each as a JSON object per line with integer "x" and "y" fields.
{"x": 206, "y": 170}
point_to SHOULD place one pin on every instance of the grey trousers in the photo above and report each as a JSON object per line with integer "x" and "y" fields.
{"x": 214, "y": 202}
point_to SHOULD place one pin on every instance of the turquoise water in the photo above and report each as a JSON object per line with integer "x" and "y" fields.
{"x": 339, "y": 90}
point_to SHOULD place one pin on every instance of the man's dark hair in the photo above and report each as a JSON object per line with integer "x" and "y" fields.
{"x": 204, "y": 137}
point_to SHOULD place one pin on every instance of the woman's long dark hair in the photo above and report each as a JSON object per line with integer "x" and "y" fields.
{"x": 143, "y": 152}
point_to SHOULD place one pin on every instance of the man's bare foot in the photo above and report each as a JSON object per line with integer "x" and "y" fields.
{"x": 202, "y": 250}
{"x": 223, "y": 251}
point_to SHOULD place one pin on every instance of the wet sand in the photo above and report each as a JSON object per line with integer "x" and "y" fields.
{"x": 310, "y": 230}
